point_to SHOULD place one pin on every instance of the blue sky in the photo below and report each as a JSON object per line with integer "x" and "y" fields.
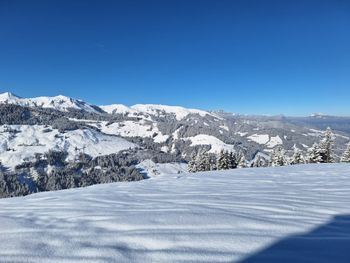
{"x": 262, "y": 57}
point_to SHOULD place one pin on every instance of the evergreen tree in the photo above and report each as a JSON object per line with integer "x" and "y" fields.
{"x": 192, "y": 168}
{"x": 278, "y": 157}
{"x": 223, "y": 162}
{"x": 242, "y": 163}
{"x": 346, "y": 155}
{"x": 232, "y": 160}
{"x": 202, "y": 162}
{"x": 259, "y": 161}
{"x": 326, "y": 146}
{"x": 314, "y": 154}
{"x": 297, "y": 157}
{"x": 220, "y": 160}
{"x": 212, "y": 162}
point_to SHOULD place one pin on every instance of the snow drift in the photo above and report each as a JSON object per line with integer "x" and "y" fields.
{"x": 298, "y": 213}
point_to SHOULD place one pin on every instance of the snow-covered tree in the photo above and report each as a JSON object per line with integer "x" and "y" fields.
{"x": 326, "y": 146}
{"x": 212, "y": 162}
{"x": 314, "y": 154}
{"x": 192, "y": 167}
{"x": 297, "y": 157}
{"x": 242, "y": 162}
{"x": 233, "y": 160}
{"x": 223, "y": 162}
{"x": 346, "y": 155}
{"x": 200, "y": 162}
{"x": 259, "y": 161}
{"x": 203, "y": 162}
{"x": 278, "y": 157}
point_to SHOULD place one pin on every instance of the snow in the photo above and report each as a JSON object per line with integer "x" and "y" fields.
{"x": 159, "y": 138}
{"x": 297, "y": 213}
{"x": 118, "y": 108}
{"x": 152, "y": 169}
{"x": 59, "y": 102}
{"x": 216, "y": 144}
{"x": 242, "y": 134}
{"x": 176, "y": 133}
{"x": 133, "y": 129}
{"x": 224, "y": 127}
{"x": 259, "y": 138}
{"x": 16, "y": 147}
{"x": 179, "y": 112}
{"x": 270, "y": 141}
{"x": 155, "y": 110}
{"x": 274, "y": 140}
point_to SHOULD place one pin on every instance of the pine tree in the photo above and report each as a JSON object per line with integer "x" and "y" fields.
{"x": 297, "y": 157}
{"x": 278, "y": 157}
{"x": 314, "y": 154}
{"x": 212, "y": 162}
{"x": 259, "y": 161}
{"x": 223, "y": 162}
{"x": 202, "y": 162}
{"x": 192, "y": 164}
{"x": 242, "y": 163}
{"x": 232, "y": 160}
{"x": 346, "y": 155}
{"x": 220, "y": 160}
{"x": 326, "y": 146}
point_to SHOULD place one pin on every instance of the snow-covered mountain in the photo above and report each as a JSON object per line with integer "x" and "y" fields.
{"x": 297, "y": 213}
{"x": 154, "y": 109}
{"x": 87, "y": 139}
{"x": 60, "y": 102}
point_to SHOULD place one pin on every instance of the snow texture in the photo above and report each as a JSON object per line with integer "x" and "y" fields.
{"x": 298, "y": 213}
{"x": 216, "y": 144}
{"x": 30, "y": 139}
{"x": 154, "y": 109}
{"x": 60, "y": 102}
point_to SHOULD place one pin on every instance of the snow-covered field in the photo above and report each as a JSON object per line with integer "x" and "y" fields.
{"x": 287, "y": 214}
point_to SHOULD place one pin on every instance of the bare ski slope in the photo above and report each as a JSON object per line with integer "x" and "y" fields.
{"x": 288, "y": 214}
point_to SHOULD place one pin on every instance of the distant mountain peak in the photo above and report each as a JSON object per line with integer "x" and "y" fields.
{"x": 60, "y": 102}
{"x": 8, "y": 96}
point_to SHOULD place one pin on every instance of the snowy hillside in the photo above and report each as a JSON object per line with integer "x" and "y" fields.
{"x": 59, "y": 102}
{"x": 178, "y": 129}
{"x": 19, "y": 143}
{"x": 154, "y": 109}
{"x": 287, "y": 214}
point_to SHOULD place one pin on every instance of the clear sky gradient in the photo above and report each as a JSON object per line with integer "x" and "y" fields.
{"x": 263, "y": 57}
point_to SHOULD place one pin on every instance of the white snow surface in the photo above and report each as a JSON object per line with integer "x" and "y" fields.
{"x": 59, "y": 102}
{"x": 216, "y": 144}
{"x": 259, "y": 138}
{"x": 30, "y": 139}
{"x": 154, "y": 109}
{"x": 297, "y": 213}
{"x": 274, "y": 141}
{"x": 269, "y": 141}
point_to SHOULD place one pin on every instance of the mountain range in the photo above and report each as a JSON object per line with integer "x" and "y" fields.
{"x": 151, "y": 136}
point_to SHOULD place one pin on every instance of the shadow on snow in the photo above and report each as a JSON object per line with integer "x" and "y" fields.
{"x": 327, "y": 243}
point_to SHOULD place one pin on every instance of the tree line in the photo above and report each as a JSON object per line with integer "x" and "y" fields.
{"x": 320, "y": 152}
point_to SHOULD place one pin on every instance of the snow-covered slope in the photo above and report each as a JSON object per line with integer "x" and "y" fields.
{"x": 61, "y": 103}
{"x": 159, "y": 110}
{"x": 287, "y": 214}
{"x": 155, "y": 110}
{"x": 19, "y": 143}
{"x": 216, "y": 144}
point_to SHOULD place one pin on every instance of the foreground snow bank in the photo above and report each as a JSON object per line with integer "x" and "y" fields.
{"x": 205, "y": 217}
